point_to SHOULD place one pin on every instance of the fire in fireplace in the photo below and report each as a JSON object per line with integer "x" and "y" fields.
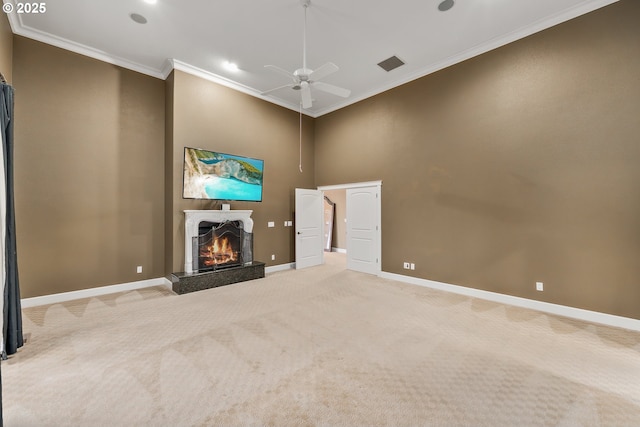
{"x": 218, "y": 245}
{"x": 220, "y": 252}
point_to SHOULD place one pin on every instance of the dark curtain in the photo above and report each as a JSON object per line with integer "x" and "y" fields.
{"x": 12, "y": 312}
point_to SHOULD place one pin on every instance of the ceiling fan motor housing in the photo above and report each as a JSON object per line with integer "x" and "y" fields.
{"x": 302, "y": 74}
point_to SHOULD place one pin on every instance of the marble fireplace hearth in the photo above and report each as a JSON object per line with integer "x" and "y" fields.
{"x": 191, "y": 279}
{"x": 183, "y": 283}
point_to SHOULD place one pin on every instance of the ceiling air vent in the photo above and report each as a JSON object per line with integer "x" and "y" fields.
{"x": 391, "y": 63}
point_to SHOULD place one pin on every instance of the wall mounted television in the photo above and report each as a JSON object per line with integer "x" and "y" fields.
{"x": 210, "y": 175}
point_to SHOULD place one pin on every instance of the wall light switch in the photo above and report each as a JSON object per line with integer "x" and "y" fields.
{"x": 139, "y": 269}
{"x": 271, "y": 224}
{"x": 290, "y": 223}
{"x": 539, "y": 286}
{"x": 286, "y": 223}
{"x": 273, "y": 257}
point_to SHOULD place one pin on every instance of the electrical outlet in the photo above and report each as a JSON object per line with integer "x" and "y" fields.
{"x": 413, "y": 266}
{"x": 273, "y": 257}
{"x": 139, "y": 269}
{"x": 407, "y": 266}
{"x": 539, "y": 286}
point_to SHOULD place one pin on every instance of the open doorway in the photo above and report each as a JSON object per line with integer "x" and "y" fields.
{"x": 356, "y": 227}
{"x": 335, "y": 220}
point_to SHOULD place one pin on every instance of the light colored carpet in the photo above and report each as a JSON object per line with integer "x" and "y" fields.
{"x": 322, "y": 346}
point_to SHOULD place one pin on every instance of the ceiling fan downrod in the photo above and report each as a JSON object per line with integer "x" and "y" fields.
{"x": 305, "y": 5}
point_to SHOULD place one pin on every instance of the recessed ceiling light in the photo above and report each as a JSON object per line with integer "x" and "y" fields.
{"x": 445, "y": 5}
{"x": 138, "y": 18}
{"x": 231, "y": 66}
{"x": 151, "y": 1}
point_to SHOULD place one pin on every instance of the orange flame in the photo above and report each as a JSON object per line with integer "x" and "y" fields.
{"x": 220, "y": 252}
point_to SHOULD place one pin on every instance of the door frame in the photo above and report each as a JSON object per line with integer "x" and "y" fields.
{"x": 377, "y": 184}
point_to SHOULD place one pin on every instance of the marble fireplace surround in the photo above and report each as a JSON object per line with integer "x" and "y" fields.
{"x": 193, "y": 218}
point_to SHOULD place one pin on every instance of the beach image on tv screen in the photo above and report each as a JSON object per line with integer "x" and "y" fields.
{"x": 219, "y": 176}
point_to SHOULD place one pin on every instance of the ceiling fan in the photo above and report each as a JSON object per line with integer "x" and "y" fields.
{"x": 304, "y": 78}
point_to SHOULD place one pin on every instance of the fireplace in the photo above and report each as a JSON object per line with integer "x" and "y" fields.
{"x": 217, "y": 245}
{"x": 218, "y": 251}
{"x": 216, "y": 239}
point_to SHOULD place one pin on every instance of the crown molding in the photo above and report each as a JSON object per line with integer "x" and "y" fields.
{"x": 212, "y": 77}
{"x": 81, "y": 49}
{"x": 170, "y": 64}
{"x": 479, "y": 49}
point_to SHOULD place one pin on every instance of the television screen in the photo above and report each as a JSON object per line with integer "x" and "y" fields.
{"x": 218, "y": 176}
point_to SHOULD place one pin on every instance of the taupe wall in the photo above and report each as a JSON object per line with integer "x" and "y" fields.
{"x": 169, "y": 177}
{"x": 207, "y": 115}
{"x": 89, "y": 171}
{"x": 96, "y": 179}
{"x": 517, "y": 166}
{"x": 6, "y": 48}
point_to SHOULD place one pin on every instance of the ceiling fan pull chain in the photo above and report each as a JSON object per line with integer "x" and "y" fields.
{"x": 300, "y": 140}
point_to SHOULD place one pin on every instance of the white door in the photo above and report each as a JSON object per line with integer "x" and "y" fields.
{"x": 309, "y": 237}
{"x": 363, "y": 229}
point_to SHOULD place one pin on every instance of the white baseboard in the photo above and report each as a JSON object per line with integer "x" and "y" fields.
{"x": 105, "y": 290}
{"x": 339, "y": 250}
{"x": 93, "y": 292}
{"x": 281, "y": 267}
{"x": 560, "y": 310}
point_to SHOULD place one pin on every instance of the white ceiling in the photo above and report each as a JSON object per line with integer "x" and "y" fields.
{"x": 198, "y": 36}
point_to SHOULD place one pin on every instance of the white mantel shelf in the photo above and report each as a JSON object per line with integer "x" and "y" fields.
{"x": 193, "y": 218}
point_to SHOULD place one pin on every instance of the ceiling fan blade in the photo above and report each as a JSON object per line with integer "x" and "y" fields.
{"x": 306, "y": 95}
{"x": 323, "y": 71}
{"x": 281, "y": 71}
{"x": 266, "y": 92}
{"x": 335, "y": 90}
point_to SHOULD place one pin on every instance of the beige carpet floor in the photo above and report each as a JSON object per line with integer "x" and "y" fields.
{"x": 322, "y": 346}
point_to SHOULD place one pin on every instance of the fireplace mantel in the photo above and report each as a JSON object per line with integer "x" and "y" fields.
{"x": 194, "y": 217}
